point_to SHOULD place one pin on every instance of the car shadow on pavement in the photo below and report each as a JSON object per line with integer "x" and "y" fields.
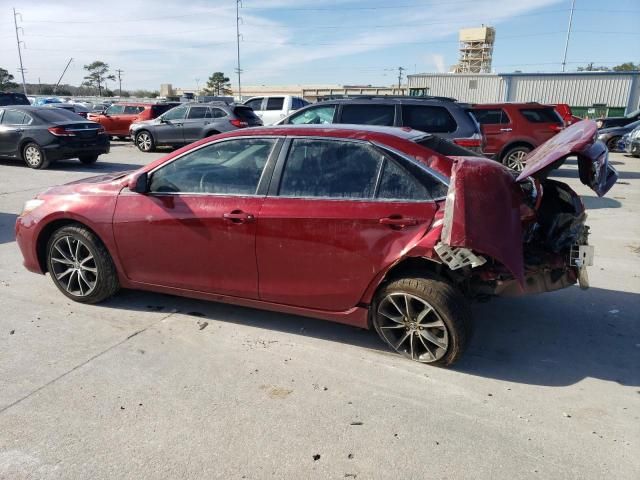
{"x": 594, "y": 203}
{"x": 282, "y": 322}
{"x": 7, "y": 227}
{"x": 554, "y": 339}
{"x": 557, "y": 339}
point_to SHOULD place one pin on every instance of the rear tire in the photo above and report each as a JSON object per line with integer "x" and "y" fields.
{"x": 34, "y": 156}
{"x": 88, "y": 159}
{"x": 425, "y": 319}
{"x": 612, "y": 144}
{"x": 144, "y": 141}
{"x": 514, "y": 157}
{"x": 80, "y": 265}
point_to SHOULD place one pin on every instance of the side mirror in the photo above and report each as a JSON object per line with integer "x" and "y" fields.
{"x": 139, "y": 183}
{"x": 162, "y": 120}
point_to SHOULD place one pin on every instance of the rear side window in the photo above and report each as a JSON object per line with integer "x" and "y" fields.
{"x": 13, "y": 117}
{"x": 541, "y": 115}
{"x": 428, "y": 118}
{"x": 199, "y": 112}
{"x": 368, "y": 114}
{"x": 330, "y": 169}
{"x": 275, "y": 103}
{"x": 219, "y": 113}
{"x": 398, "y": 184}
{"x": 490, "y": 116}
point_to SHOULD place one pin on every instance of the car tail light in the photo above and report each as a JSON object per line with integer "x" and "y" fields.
{"x": 468, "y": 142}
{"x": 238, "y": 123}
{"x": 61, "y": 132}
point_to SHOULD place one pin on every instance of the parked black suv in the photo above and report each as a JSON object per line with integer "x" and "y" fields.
{"x": 7, "y": 98}
{"x": 608, "y": 122}
{"x": 441, "y": 116}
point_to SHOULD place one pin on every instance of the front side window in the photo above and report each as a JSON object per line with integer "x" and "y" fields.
{"x": 330, "y": 169}
{"x": 177, "y": 113}
{"x": 232, "y": 167}
{"x": 313, "y": 116}
{"x": 255, "y": 104}
{"x": 199, "y": 112}
{"x": 493, "y": 116}
{"x": 275, "y": 103}
{"x": 368, "y": 114}
{"x": 115, "y": 110}
{"x": 428, "y": 118}
{"x": 13, "y": 117}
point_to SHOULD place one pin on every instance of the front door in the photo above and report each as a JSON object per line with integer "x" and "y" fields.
{"x": 168, "y": 130}
{"x": 11, "y": 131}
{"x": 343, "y": 211}
{"x": 195, "y": 228}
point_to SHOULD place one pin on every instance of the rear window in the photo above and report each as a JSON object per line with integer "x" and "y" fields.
{"x": 58, "y": 115}
{"x": 428, "y": 118}
{"x": 13, "y": 99}
{"x": 368, "y": 114}
{"x": 245, "y": 113}
{"x": 541, "y": 115}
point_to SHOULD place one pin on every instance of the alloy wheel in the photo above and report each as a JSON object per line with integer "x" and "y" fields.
{"x": 73, "y": 266}
{"x": 515, "y": 160}
{"x": 412, "y": 327}
{"x": 144, "y": 141}
{"x": 33, "y": 156}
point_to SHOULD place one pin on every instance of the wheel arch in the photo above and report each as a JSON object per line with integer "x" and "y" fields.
{"x": 23, "y": 143}
{"x": 50, "y": 228}
{"x": 513, "y": 144}
{"x": 210, "y": 133}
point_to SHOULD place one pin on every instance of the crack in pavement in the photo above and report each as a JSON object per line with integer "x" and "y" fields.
{"x": 90, "y": 359}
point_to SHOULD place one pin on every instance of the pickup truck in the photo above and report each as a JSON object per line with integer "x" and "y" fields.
{"x": 271, "y": 109}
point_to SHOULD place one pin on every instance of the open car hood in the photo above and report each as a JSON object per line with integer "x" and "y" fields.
{"x": 579, "y": 139}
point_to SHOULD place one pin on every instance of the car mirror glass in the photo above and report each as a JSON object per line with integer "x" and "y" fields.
{"x": 139, "y": 183}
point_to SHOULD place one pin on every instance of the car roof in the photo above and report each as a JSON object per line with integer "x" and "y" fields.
{"x": 395, "y": 100}
{"x": 338, "y": 130}
{"x": 26, "y": 108}
{"x": 512, "y": 104}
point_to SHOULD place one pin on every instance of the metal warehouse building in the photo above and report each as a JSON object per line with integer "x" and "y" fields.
{"x": 588, "y": 93}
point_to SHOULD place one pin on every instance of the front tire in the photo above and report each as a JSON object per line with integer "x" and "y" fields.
{"x": 34, "y": 156}
{"x": 514, "y": 158}
{"x": 144, "y": 141}
{"x": 88, "y": 159}
{"x": 424, "y": 319}
{"x": 612, "y": 144}
{"x": 80, "y": 265}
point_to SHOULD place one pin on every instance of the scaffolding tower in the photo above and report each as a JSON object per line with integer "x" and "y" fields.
{"x": 476, "y": 50}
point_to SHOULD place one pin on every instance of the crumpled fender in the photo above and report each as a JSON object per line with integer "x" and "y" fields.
{"x": 482, "y": 212}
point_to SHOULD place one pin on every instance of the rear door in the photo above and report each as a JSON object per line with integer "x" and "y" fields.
{"x": 496, "y": 127}
{"x": 110, "y": 119}
{"x": 124, "y": 120}
{"x": 194, "y": 123}
{"x": 11, "y": 131}
{"x": 338, "y": 211}
{"x": 542, "y": 123}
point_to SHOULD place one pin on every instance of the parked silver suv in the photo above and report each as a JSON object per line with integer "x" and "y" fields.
{"x": 190, "y": 122}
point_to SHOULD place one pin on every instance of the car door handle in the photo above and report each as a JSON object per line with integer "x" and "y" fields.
{"x": 19, "y": 130}
{"x": 398, "y": 221}
{"x": 506, "y": 129}
{"x": 238, "y": 216}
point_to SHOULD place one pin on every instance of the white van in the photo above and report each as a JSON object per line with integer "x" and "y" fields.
{"x": 274, "y": 108}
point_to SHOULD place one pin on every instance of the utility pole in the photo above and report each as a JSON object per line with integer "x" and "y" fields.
{"x": 238, "y": 70}
{"x": 60, "y": 79}
{"x": 15, "y": 22}
{"x": 400, "y": 70}
{"x": 118, "y": 71}
{"x": 566, "y": 45}
{"x": 197, "y": 86}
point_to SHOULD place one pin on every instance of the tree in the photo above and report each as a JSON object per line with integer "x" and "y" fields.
{"x": 98, "y": 74}
{"x": 6, "y": 80}
{"x": 218, "y": 85}
{"x": 627, "y": 67}
{"x": 590, "y": 67}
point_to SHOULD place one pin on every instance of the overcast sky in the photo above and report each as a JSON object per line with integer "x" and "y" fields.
{"x": 305, "y": 41}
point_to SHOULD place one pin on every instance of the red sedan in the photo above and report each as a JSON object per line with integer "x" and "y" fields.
{"x": 369, "y": 226}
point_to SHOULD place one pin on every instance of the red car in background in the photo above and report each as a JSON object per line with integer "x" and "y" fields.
{"x": 512, "y": 130}
{"x": 117, "y": 118}
{"x": 377, "y": 227}
{"x": 564, "y": 110}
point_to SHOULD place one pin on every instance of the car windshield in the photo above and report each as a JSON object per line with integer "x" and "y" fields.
{"x": 633, "y": 114}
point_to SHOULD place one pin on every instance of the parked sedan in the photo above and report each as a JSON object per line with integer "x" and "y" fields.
{"x": 71, "y": 107}
{"x": 369, "y": 226}
{"x": 611, "y": 136}
{"x": 631, "y": 144}
{"x": 608, "y": 122}
{"x": 190, "y": 122}
{"x": 40, "y": 135}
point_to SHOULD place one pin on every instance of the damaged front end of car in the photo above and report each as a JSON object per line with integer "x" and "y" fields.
{"x": 506, "y": 235}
